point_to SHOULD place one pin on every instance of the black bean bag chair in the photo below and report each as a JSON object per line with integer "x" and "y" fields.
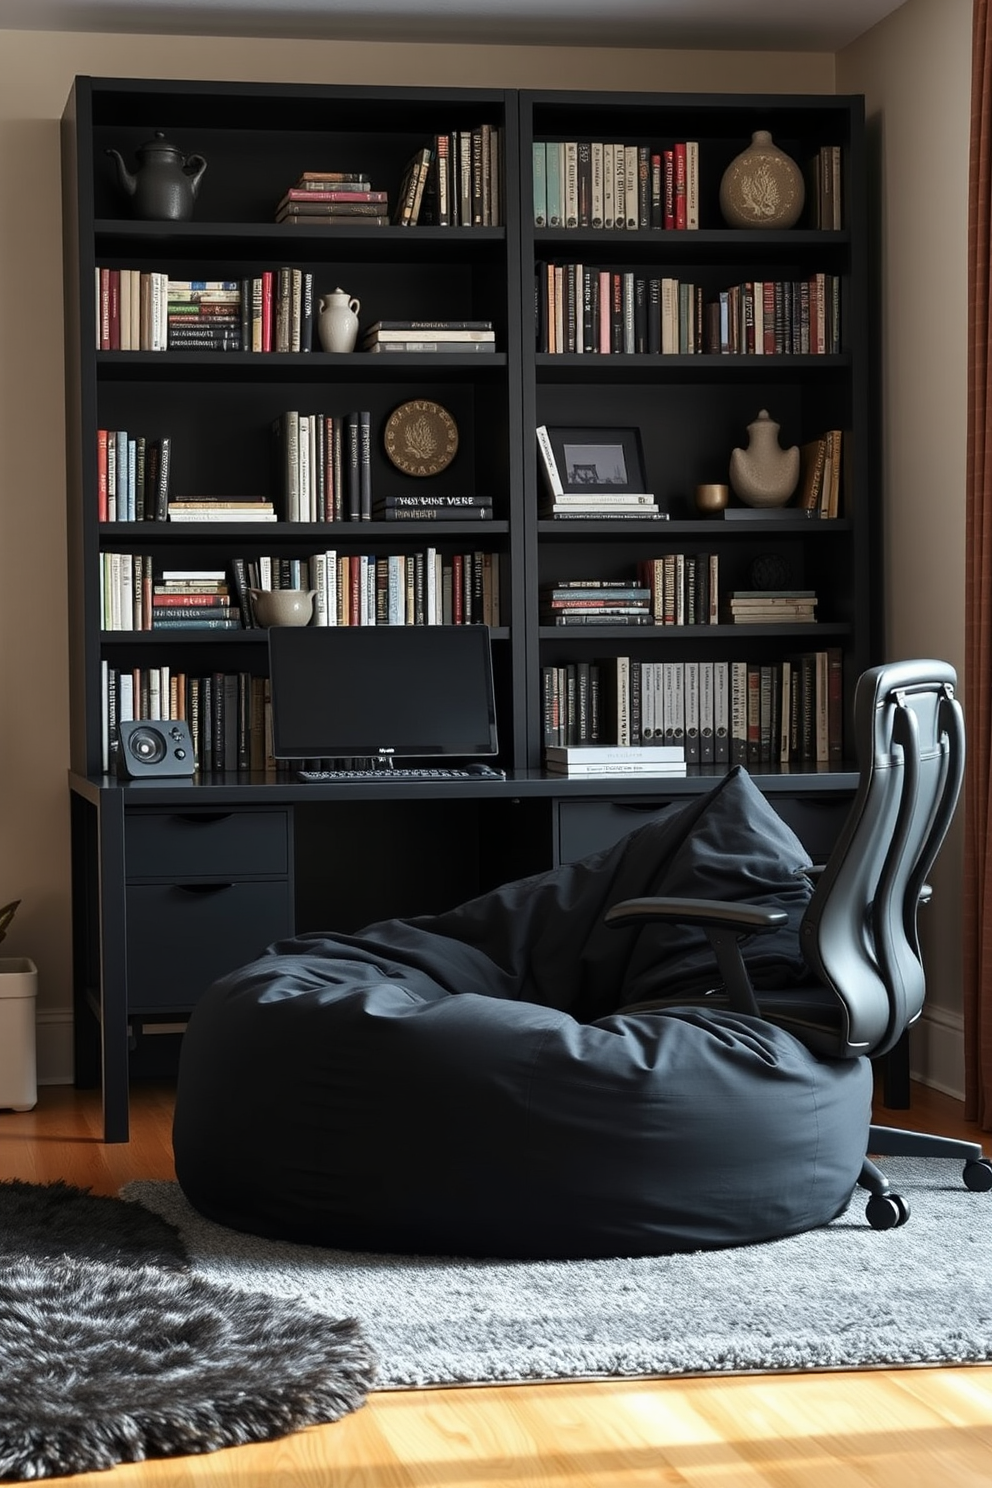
{"x": 468, "y": 1084}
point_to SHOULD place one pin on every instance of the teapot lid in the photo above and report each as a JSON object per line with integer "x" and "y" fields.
{"x": 158, "y": 145}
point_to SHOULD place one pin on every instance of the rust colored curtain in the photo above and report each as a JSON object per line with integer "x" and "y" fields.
{"x": 978, "y": 594}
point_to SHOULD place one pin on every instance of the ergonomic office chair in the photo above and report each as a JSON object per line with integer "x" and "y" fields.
{"x": 858, "y": 935}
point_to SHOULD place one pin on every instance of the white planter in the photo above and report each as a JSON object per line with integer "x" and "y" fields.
{"x": 18, "y": 1060}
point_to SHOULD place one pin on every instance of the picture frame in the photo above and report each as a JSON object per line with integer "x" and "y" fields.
{"x": 597, "y": 460}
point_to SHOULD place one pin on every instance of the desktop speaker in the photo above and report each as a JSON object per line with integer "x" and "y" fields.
{"x": 155, "y": 747}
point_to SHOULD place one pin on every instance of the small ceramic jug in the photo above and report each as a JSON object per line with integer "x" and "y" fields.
{"x": 337, "y": 325}
{"x": 764, "y": 474}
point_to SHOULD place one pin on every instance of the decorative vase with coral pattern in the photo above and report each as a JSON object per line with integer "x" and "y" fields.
{"x": 762, "y": 186}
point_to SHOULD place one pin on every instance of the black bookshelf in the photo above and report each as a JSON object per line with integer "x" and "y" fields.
{"x": 205, "y": 867}
{"x": 693, "y": 409}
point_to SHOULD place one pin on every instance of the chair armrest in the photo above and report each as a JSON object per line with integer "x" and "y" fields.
{"x": 721, "y": 914}
{"x": 724, "y": 922}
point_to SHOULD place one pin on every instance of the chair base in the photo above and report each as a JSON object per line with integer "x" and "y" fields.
{"x": 887, "y": 1209}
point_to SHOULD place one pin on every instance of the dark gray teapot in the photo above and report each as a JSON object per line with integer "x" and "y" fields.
{"x": 164, "y": 187}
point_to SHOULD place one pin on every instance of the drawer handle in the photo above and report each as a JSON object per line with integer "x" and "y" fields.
{"x": 205, "y": 818}
{"x": 203, "y": 888}
{"x": 641, "y": 805}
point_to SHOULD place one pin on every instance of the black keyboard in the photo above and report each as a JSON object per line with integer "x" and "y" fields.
{"x": 443, "y": 772}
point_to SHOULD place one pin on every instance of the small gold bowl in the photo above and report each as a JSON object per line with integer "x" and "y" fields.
{"x": 712, "y": 496}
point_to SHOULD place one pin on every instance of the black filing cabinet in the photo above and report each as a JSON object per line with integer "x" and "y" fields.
{"x": 205, "y": 892}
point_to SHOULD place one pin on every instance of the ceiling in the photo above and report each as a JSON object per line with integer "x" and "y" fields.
{"x": 778, "y": 25}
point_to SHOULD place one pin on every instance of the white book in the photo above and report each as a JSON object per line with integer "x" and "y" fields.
{"x": 692, "y": 183}
{"x": 318, "y": 583}
{"x": 604, "y": 754}
{"x": 609, "y": 185}
{"x": 620, "y": 186}
{"x": 604, "y": 498}
{"x": 630, "y": 187}
{"x": 738, "y": 713}
{"x": 549, "y": 464}
{"x": 125, "y": 695}
{"x": 618, "y": 768}
{"x": 647, "y": 704}
{"x": 303, "y": 456}
{"x": 570, "y": 150}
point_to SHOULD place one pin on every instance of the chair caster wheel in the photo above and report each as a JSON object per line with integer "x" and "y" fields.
{"x": 977, "y": 1175}
{"x": 886, "y": 1211}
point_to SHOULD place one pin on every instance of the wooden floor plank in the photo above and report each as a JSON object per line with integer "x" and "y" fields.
{"x": 912, "y": 1428}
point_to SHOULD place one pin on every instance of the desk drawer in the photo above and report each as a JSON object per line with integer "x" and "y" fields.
{"x": 207, "y": 844}
{"x": 586, "y": 827}
{"x": 181, "y": 938}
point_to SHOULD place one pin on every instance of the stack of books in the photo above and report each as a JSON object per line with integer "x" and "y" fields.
{"x": 333, "y": 199}
{"x": 204, "y": 315}
{"x": 600, "y": 505}
{"x": 596, "y": 602}
{"x": 193, "y": 599}
{"x": 583, "y": 760}
{"x": 221, "y": 509}
{"x": 432, "y": 508}
{"x": 772, "y": 606}
{"x": 430, "y": 335}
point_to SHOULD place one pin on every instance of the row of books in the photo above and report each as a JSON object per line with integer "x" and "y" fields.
{"x": 720, "y": 712}
{"x": 333, "y": 199}
{"x": 423, "y": 588}
{"x": 673, "y": 589}
{"x": 583, "y": 308}
{"x": 825, "y": 189}
{"x": 459, "y": 336}
{"x": 464, "y": 183}
{"x": 229, "y": 713}
{"x": 138, "y": 310}
{"x": 133, "y": 476}
{"x": 820, "y": 472}
{"x": 323, "y": 466}
{"x": 583, "y": 183}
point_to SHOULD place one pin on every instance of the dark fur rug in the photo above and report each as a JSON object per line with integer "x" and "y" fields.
{"x": 112, "y": 1351}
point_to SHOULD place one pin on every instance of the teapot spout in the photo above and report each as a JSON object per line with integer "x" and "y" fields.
{"x": 128, "y": 181}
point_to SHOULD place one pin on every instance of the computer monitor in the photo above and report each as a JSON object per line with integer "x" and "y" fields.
{"x": 385, "y": 691}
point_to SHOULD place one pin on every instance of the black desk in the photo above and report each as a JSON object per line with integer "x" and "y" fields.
{"x": 177, "y": 881}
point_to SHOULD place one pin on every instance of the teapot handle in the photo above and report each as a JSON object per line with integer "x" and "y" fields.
{"x": 354, "y": 306}
{"x": 197, "y": 163}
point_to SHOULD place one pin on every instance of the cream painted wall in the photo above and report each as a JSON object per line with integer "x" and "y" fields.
{"x": 915, "y": 71}
{"x": 36, "y": 72}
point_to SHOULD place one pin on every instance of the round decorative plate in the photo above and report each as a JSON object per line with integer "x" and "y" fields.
{"x": 421, "y": 437}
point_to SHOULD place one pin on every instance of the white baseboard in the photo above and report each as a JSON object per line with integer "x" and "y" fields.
{"x": 936, "y": 1051}
{"x": 55, "y": 1054}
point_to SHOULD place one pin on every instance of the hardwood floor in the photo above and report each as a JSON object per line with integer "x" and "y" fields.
{"x": 912, "y": 1428}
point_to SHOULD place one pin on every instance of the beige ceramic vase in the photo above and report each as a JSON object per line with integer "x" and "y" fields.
{"x": 764, "y": 474}
{"x": 762, "y": 186}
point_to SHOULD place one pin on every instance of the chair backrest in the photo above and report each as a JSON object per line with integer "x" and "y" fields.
{"x": 859, "y": 934}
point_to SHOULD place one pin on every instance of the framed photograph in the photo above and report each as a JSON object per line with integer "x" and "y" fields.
{"x": 595, "y": 460}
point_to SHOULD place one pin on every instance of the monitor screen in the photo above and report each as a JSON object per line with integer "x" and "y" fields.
{"x": 403, "y": 691}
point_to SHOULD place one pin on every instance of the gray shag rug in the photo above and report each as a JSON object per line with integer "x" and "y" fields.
{"x": 843, "y": 1297}
{"x": 114, "y": 1348}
